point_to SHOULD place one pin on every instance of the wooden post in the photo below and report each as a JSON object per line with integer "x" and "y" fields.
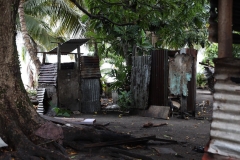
{"x": 59, "y": 57}
{"x": 78, "y": 57}
{"x": 183, "y": 105}
{"x": 58, "y": 69}
{"x": 79, "y": 77}
{"x": 44, "y": 58}
{"x": 225, "y": 28}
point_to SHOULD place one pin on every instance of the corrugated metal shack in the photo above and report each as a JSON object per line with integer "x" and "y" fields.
{"x": 225, "y": 126}
{"x": 150, "y": 79}
{"x": 90, "y": 84}
{"x": 74, "y": 85}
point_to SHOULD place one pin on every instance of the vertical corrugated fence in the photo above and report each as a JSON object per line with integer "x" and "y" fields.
{"x": 159, "y": 78}
{"x": 90, "y": 84}
{"x": 90, "y": 95}
{"x": 191, "y": 99}
{"x": 141, "y": 69}
{"x": 225, "y": 127}
{"x": 48, "y": 80}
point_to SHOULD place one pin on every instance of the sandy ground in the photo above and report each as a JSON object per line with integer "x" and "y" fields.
{"x": 191, "y": 134}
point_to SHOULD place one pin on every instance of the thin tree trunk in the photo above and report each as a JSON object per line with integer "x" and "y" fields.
{"x": 127, "y": 56}
{"x": 27, "y": 39}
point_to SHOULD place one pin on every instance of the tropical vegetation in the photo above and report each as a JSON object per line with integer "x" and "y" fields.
{"x": 122, "y": 28}
{"x": 19, "y": 122}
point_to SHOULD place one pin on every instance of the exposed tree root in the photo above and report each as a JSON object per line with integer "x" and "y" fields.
{"x": 37, "y": 148}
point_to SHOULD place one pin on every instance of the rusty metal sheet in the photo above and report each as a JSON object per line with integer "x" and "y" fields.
{"x": 90, "y": 95}
{"x": 191, "y": 99}
{"x": 225, "y": 127}
{"x": 158, "y": 94}
{"x": 90, "y": 67}
{"x": 140, "y": 79}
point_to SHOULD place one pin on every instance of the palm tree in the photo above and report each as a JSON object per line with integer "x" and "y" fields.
{"x": 61, "y": 15}
{"x": 32, "y": 50}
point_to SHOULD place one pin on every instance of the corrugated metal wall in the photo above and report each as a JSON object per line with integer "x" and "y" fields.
{"x": 158, "y": 94}
{"x": 90, "y": 67}
{"x": 48, "y": 80}
{"x": 225, "y": 127}
{"x": 191, "y": 99}
{"x": 90, "y": 84}
{"x": 140, "y": 78}
{"x": 90, "y": 95}
{"x": 68, "y": 89}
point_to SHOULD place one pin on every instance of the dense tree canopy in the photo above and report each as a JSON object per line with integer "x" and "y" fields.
{"x": 175, "y": 23}
{"x": 121, "y": 27}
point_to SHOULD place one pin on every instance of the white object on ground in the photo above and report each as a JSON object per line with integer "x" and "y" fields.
{"x": 88, "y": 121}
{"x": 2, "y": 143}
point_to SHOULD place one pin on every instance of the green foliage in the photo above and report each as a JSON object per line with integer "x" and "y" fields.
{"x": 211, "y": 52}
{"x": 61, "y": 112}
{"x": 176, "y": 23}
{"x": 124, "y": 100}
{"x": 120, "y": 72}
{"x": 52, "y": 21}
{"x": 32, "y": 92}
{"x": 23, "y": 54}
{"x": 201, "y": 80}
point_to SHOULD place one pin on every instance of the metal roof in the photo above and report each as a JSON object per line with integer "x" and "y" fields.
{"x": 69, "y": 46}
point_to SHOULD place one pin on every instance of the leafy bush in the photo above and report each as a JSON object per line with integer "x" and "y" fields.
{"x": 124, "y": 100}
{"x": 61, "y": 112}
{"x": 32, "y": 92}
{"x": 201, "y": 80}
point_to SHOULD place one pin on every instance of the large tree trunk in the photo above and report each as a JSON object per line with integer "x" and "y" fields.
{"x": 27, "y": 39}
{"x": 18, "y": 119}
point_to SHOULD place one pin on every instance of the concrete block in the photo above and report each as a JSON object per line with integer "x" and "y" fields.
{"x": 155, "y": 112}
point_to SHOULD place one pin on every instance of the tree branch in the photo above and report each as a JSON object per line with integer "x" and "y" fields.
{"x": 116, "y": 3}
{"x": 155, "y": 7}
{"x": 99, "y": 17}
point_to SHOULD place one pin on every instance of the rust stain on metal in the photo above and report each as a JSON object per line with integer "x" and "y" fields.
{"x": 158, "y": 94}
{"x": 90, "y": 67}
{"x": 180, "y": 73}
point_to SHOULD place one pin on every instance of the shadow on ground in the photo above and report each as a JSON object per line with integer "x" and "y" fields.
{"x": 192, "y": 134}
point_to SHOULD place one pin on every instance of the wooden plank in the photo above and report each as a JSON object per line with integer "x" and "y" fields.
{"x": 131, "y": 141}
{"x": 129, "y": 153}
{"x": 72, "y": 121}
{"x": 120, "y": 142}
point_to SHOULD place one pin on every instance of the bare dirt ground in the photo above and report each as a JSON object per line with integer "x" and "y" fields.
{"x": 191, "y": 135}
